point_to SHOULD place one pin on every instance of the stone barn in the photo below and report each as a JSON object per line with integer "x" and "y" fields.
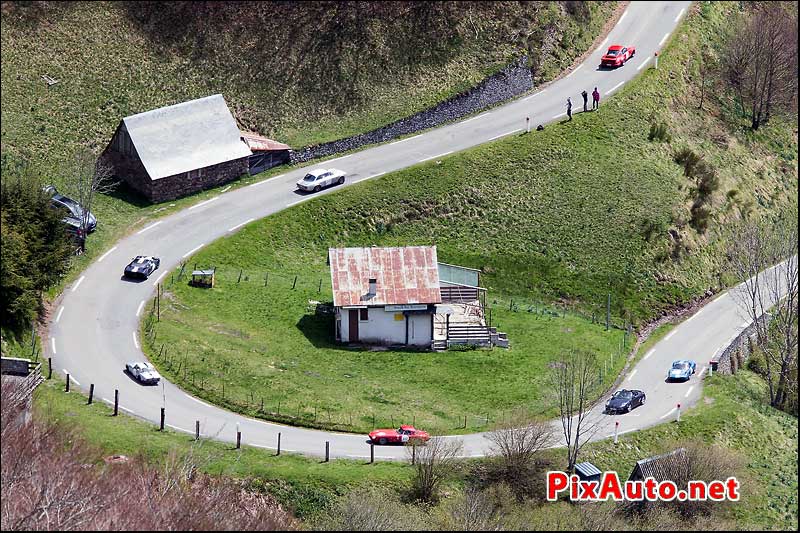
{"x": 177, "y": 150}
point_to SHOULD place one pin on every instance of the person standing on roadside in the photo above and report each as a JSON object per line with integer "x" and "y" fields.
{"x": 569, "y": 108}
{"x": 595, "y": 99}
{"x": 585, "y": 99}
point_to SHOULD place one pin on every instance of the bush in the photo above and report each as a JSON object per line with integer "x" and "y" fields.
{"x": 659, "y": 132}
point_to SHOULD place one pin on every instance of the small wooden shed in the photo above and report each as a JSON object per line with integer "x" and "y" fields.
{"x": 203, "y": 278}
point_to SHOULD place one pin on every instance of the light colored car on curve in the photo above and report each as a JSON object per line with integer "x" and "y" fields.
{"x": 143, "y": 373}
{"x": 320, "y": 178}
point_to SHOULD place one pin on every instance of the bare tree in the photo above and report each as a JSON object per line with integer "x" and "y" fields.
{"x": 434, "y": 462}
{"x": 88, "y": 176}
{"x": 572, "y": 379}
{"x": 517, "y": 442}
{"x": 761, "y": 61}
{"x": 763, "y": 257}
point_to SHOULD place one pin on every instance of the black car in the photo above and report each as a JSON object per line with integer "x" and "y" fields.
{"x": 72, "y": 210}
{"x": 142, "y": 266}
{"x": 624, "y": 400}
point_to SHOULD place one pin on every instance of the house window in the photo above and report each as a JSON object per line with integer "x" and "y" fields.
{"x": 363, "y": 314}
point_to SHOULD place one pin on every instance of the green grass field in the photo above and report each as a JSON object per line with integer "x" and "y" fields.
{"x": 268, "y": 343}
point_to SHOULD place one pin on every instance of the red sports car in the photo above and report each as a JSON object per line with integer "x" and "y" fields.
{"x": 617, "y": 56}
{"x": 398, "y": 436}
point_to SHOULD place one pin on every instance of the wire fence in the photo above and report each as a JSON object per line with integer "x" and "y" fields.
{"x": 197, "y": 379}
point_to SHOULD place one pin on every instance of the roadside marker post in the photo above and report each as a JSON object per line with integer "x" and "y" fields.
{"x": 161, "y": 428}
{"x": 116, "y": 402}
{"x": 196, "y": 430}
{"x": 655, "y": 57}
{"x": 679, "y": 412}
{"x": 279, "y": 443}
{"x": 616, "y": 431}
{"x": 91, "y": 393}
{"x": 371, "y": 452}
{"x": 238, "y": 437}
{"x": 66, "y": 387}
{"x": 327, "y": 451}
{"x": 710, "y": 368}
{"x": 49, "y": 368}
{"x": 527, "y": 124}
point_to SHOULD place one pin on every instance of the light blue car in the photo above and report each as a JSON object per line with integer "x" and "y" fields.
{"x": 681, "y": 370}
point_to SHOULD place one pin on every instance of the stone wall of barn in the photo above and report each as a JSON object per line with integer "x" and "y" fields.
{"x": 172, "y": 187}
{"x": 130, "y": 170}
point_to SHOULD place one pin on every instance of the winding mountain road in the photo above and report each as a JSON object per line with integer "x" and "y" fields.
{"x": 93, "y": 332}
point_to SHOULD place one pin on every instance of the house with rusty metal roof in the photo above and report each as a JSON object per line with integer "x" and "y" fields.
{"x": 669, "y": 466}
{"x": 397, "y": 296}
{"x": 179, "y": 149}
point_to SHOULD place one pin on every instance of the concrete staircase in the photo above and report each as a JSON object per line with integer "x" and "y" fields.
{"x": 475, "y": 334}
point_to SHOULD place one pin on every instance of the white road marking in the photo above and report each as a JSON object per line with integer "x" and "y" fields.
{"x": 648, "y": 354}
{"x": 373, "y": 176}
{"x": 193, "y": 250}
{"x": 334, "y": 159}
{"x": 680, "y": 14}
{"x": 603, "y": 43}
{"x": 159, "y": 278}
{"x": 669, "y": 413}
{"x": 574, "y": 71}
{"x": 237, "y": 226}
{"x": 263, "y": 446}
{"x": 564, "y": 114}
{"x": 200, "y": 401}
{"x": 663, "y": 39}
{"x": 506, "y": 133}
{"x": 225, "y": 189}
{"x": 720, "y": 297}
{"x": 746, "y": 324}
{"x": 688, "y": 392}
{"x": 632, "y": 374}
{"x": 201, "y": 204}
{"x": 478, "y": 116}
{"x": 106, "y": 254}
{"x": 435, "y": 156}
{"x": 262, "y": 182}
{"x": 106, "y": 400}
{"x": 309, "y": 197}
{"x": 404, "y": 140}
{"x": 615, "y": 87}
{"x": 626, "y": 431}
{"x": 622, "y": 17}
{"x": 702, "y": 370}
{"x": 179, "y": 429}
{"x": 148, "y": 228}
{"x": 78, "y": 383}
{"x": 75, "y": 287}
{"x": 692, "y": 317}
{"x": 139, "y": 309}
{"x": 60, "y": 312}
{"x": 127, "y": 410}
{"x": 646, "y": 61}
{"x": 53, "y": 344}
{"x": 535, "y": 94}
{"x": 670, "y": 334}
{"x": 135, "y": 340}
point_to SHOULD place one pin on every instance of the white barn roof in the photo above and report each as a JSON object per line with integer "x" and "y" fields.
{"x": 187, "y": 136}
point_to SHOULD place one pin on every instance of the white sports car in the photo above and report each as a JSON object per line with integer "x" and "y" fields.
{"x": 143, "y": 372}
{"x": 319, "y": 178}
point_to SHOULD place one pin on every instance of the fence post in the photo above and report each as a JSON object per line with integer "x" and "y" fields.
{"x": 66, "y": 386}
{"x": 320, "y": 285}
{"x": 116, "y": 402}
{"x": 608, "y": 312}
{"x": 161, "y": 428}
{"x": 327, "y": 451}
{"x": 373, "y": 420}
{"x": 266, "y": 278}
{"x": 679, "y": 412}
{"x": 279, "y": 443}
{"x": 49, "y": 368}
{"x": 465, "y": 421}
{"x": 294, "y": 283}
{"x": 238, "y": 439}
{"x": 371, "y": 452}
{"x": 91, "y": 393}
{"x": 240, "y": 276}
{"x": 616, "y": 430}
{"x": 413, "y": 454}
{"x": 196, "y": 430}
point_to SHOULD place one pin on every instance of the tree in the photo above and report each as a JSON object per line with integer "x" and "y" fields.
{"x": 516, "y": 445}
{"x": 87, "y": 176}
{"x": 433, "y": 463}
{"x": 763, "y": 257}
{"x": 761, "y": 61}
{"x": 572, "y": 379}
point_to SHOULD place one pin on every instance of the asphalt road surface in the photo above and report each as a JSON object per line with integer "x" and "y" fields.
{"x": 93, "y": 332}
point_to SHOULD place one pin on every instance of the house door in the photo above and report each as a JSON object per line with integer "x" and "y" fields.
{"x": 353, "y": 329}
